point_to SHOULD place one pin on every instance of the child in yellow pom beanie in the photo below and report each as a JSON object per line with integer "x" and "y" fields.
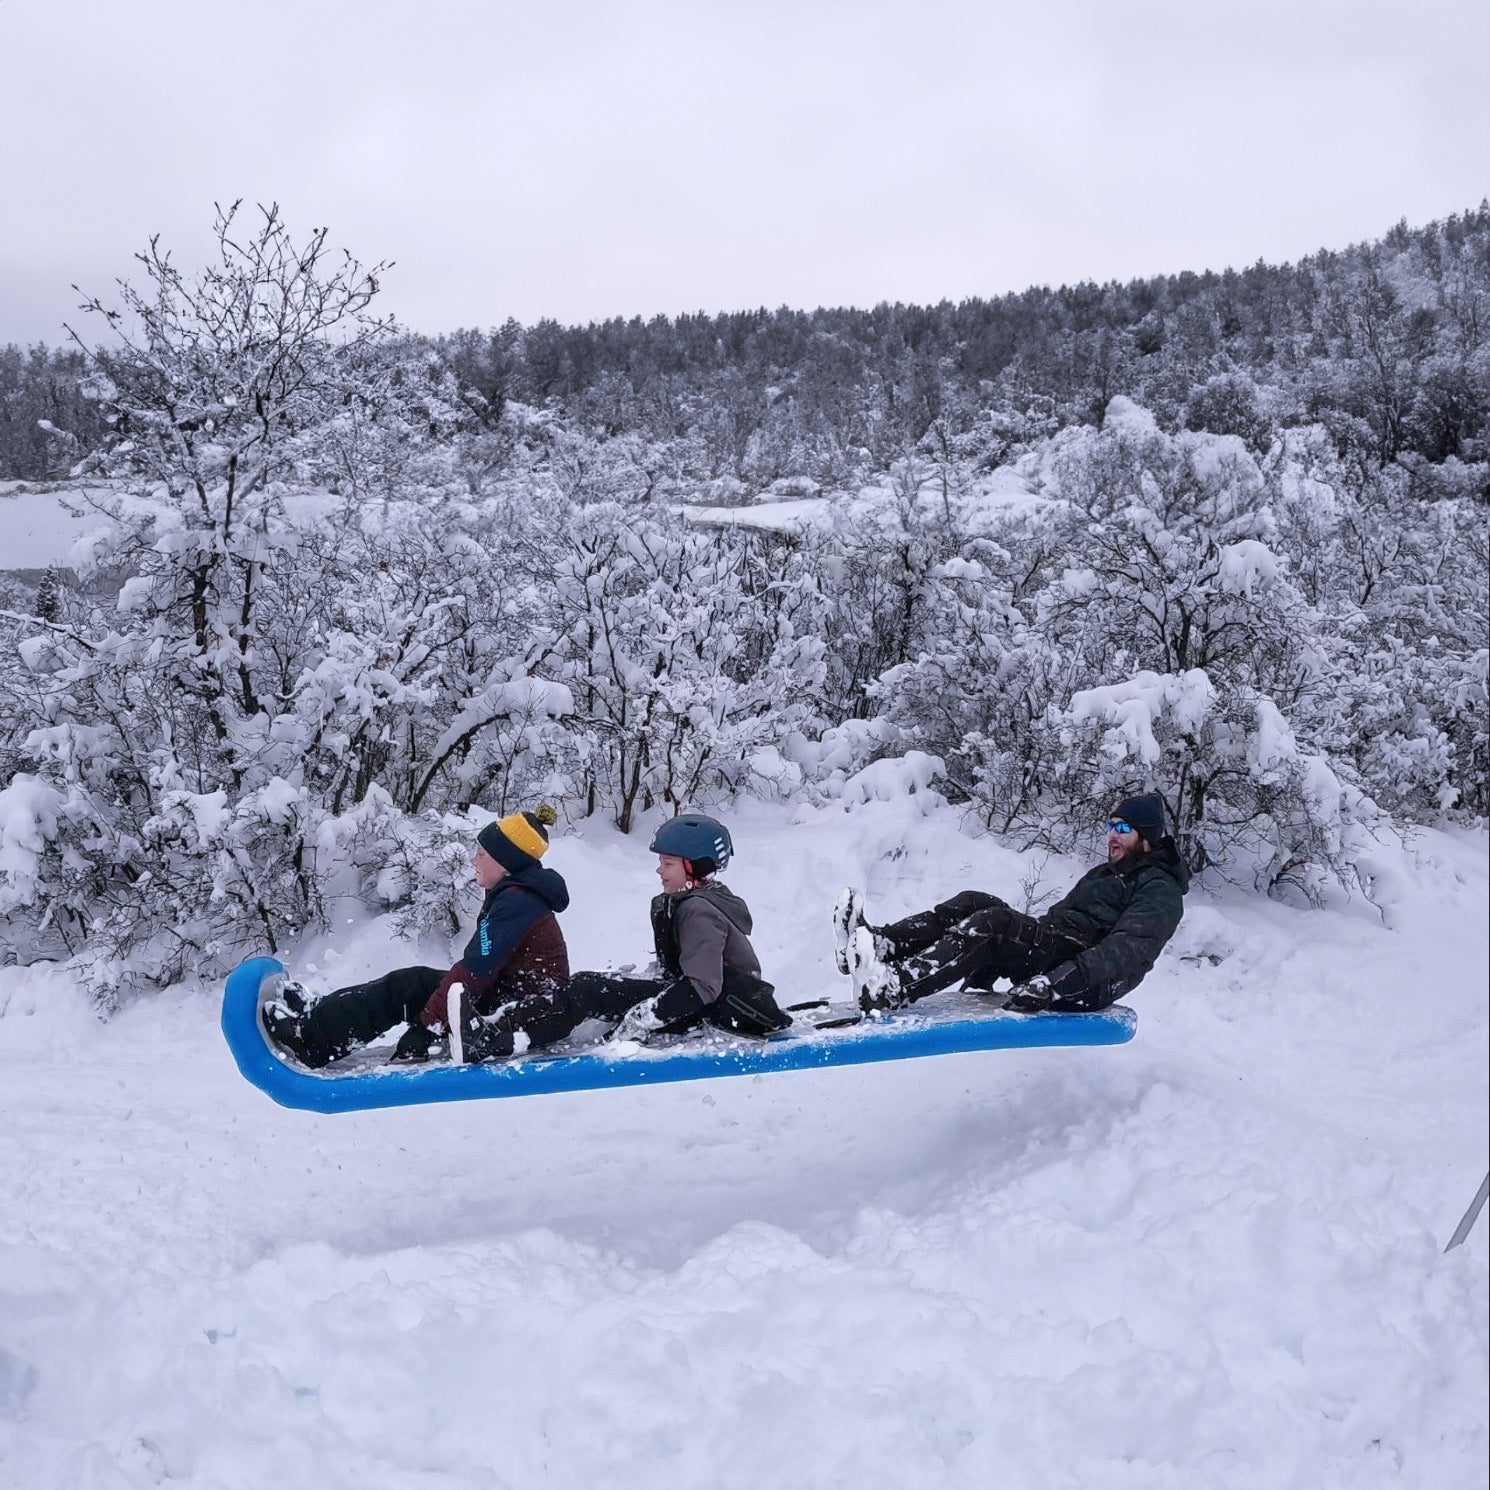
{"x": 517, "y": 951}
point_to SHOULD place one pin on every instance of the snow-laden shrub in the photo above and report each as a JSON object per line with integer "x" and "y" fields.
{"x": 828, "y": 761}
{"x": 1402, "y": 592}
{"x": 248, "y": 659}
{"x": 1145, "y": 628}
{"x": 878, "y": 561}
{"x": 1268, "y": 809}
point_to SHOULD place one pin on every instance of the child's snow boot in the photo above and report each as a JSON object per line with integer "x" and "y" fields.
{"x": 489, "y": 1040}
{"x": 295, "y": 998}
{"x": 475, "y": 1037}
{"x": 639, "y": 1021}
{"x": 284, "y": 1025}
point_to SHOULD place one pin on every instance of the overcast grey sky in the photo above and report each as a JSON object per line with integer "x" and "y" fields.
{"x": 581, "y": 159}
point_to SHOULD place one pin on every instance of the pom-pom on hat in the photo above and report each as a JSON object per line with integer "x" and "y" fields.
{"x": 1145, "y": 813}
{"x": 519, "y": 841}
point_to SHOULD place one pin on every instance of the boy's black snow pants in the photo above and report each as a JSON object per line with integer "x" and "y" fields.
{"x": 746, "y": 1005}
{"x": 545, "y": 1018}
{"x": 973, "y": 938}
{"x": 358, "y": 1015}
{"x": 609, "y": 995}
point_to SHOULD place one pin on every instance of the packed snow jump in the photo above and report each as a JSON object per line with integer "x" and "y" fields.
{"x": 509, "y": 1018}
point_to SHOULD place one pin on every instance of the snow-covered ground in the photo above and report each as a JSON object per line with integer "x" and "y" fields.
{"x": 1210, "y": 1258}
{"x": 35, "y": 528}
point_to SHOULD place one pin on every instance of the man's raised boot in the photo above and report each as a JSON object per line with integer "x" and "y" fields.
{"x": 876, "y": 982}
{"x": 848, "y": 917}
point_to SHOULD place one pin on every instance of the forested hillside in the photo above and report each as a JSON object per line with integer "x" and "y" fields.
{"x": 1383, "y": 342}
{"x": 1221, "y": 534}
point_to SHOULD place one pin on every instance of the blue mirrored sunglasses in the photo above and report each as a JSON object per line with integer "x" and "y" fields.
{"x": 1119, "y": 826}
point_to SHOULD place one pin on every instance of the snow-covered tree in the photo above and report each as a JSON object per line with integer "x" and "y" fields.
{"x": 178, "y": 717}
{"x": 687, "y": 652}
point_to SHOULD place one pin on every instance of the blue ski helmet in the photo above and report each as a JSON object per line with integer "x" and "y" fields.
{"x": 702, "y": 841}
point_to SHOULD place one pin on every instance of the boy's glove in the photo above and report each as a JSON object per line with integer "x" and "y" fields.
{"x": 414, "y": 1044}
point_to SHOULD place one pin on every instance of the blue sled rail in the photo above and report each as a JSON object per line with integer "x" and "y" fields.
{"x": 899, "y": 1037}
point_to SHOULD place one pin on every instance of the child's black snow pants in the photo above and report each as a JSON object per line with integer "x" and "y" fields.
{"x": 356, "y": 1016}
{"x": 586, "y": 996}
{"x": 352, "y": 1017}
{"x": 746, "y": 1005}
{"x": 973, "y": 938}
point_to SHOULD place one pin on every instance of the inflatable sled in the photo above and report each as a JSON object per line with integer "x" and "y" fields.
{"x": 944, "y": 1026}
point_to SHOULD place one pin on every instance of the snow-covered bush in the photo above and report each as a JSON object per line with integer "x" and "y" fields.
{"x": 1143, "y": 629}
{"x": 249, "y": 659}
{"x": 983, "y": 680}
{"x": 1273, "y": 812}
{"x": 877, "y": 565}
{"x": 1402, "y": 591}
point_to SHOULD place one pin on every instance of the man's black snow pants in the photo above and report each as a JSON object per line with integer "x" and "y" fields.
{"x": 973, "y": 938}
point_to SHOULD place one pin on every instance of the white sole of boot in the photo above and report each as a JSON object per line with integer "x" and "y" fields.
{"x": 848, "y": 917}
{"x": 875, "y": 986}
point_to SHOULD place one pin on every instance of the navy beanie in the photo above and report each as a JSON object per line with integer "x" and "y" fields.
{"x": 1145, "y": 813}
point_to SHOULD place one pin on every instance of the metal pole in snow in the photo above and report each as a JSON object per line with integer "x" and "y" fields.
{"x": 1472, "y": 1215}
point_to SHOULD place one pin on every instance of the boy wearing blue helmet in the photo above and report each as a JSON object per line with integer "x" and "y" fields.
{"x": 707, "y": 970}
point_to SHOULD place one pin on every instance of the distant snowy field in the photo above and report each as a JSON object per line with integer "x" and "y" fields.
{"x": 1003, "y": 490}
{"x": 35, "y": 528}
{"x": 1211, "y": 1258}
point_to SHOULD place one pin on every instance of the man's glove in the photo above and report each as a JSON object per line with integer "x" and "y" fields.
{"x": 414, "y": 1044}
{"x": 1031, "y": 996}
{"x": 1063, "y": 990}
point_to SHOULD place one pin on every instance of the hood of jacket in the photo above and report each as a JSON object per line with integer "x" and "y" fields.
{"x": 1163, "y": 855}
{"x": 721, "y": 897}
{"x": 547, "y": 884}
